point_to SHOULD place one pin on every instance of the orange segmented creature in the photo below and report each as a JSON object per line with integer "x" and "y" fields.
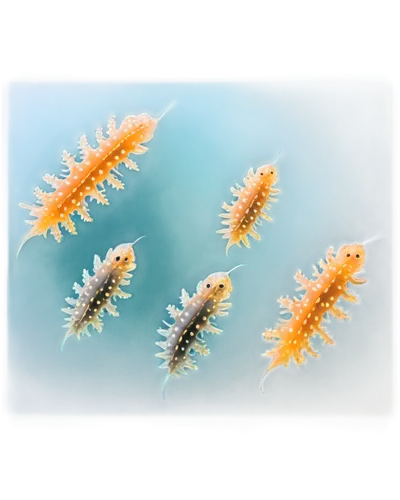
{"x": 184, "y": 338}
{"x": 83, "y": 177}
{"x": 98, "y": 290}
{"x": 248, "y": 210}
{"x": 293, "y": 335}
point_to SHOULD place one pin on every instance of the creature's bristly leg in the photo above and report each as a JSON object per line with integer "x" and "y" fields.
{"x": 302, "y": 281}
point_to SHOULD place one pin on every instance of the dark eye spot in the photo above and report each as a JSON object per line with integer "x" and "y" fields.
{"x": 262, "y": 173}
{"x": 126, "y": 259}
{"x": 117, "y": 258}
{"x": 271, "y": 172}
{"x": 348, "y": 255}
{"x": 221, "y": 285}
{"x": 358, "y": 256}
{"x": 208, "y": 285}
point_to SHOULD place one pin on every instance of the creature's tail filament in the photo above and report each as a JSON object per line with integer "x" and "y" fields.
{"x": 66, "y": 337}
{"x": 30, "y": 235}
{"x": 263, "y": 380}
{"x": 274, "y": 363}
{"x": 163, "y": 387}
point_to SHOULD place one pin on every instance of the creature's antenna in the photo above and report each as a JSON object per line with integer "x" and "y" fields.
{"x": 165, "y": 381}
{"x": 168, "y": 109}
{"x": 233, "y": 268}
{"x": 276, "y": 159}
{"x": 140, "y": 238}
{"x": 370, "y": 240}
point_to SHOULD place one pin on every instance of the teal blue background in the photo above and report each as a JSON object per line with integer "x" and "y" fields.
{"x": 335, "y": 181}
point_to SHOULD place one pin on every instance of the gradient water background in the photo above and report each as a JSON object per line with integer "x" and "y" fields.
{"x": 335, "y": 181}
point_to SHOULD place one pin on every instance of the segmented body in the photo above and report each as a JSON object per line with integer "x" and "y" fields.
{"x": 98, "y": 290}
{"x": 86, "y": 178}
{"x": 293, "y": 335}
{"x": 247, "y": 210}
{"x": 184, "y": 337}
